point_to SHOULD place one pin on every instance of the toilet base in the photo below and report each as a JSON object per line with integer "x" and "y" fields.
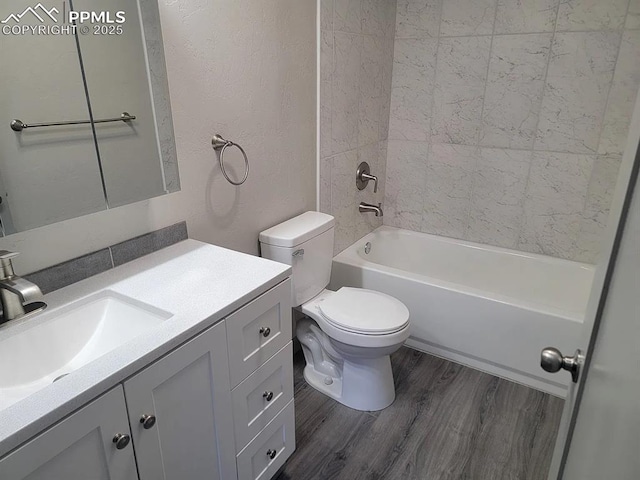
{"x": 365, "y": 384}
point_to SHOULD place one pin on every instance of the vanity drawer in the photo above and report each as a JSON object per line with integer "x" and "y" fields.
{"x": 257, "y": 331}
{"x": 277, "y": 440}
{"x": 259, "y": 398}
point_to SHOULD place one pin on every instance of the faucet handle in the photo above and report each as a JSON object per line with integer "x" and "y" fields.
{"x": 7, "y": 255}
{"x": 363, "y": 175}
{"x": 6, "y": 267}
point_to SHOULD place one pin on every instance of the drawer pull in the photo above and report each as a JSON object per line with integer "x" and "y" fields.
{"x": 271, "y": 453}
{"x": 268, "y": 396}
{"x": 265, "y": 331}
{"x": 148, "y": 421}
{"x": 121, "y": 440}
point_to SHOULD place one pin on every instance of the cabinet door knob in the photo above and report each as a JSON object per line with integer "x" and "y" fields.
{"x": 121, "y": 440}
{"x": 268, "y": 396}
{"x": 271, "y": 453}
{"x": 265, "y": 331}
{"x": 148, "y": 421}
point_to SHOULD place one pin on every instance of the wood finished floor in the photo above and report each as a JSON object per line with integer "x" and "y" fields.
{"x": 447, "y": 422}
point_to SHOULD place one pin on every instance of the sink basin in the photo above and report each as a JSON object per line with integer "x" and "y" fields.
{"x": 54, "y": 344}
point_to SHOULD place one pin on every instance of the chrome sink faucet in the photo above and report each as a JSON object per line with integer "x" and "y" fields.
{"x": 367, "y": 207}
{"x": 18, "y": 296}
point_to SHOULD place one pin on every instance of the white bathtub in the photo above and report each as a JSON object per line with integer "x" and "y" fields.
{"x": 487, "y": 307}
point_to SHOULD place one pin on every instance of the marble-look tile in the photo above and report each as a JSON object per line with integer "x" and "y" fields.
{"x": 457, "y": 114}
{"x": 510, "y": 114}
{"x": 591, "y": 15}
{"x": 343, "y": 198}
{"x": 345, "y": 92}
{"x": 447, "y": 189}
{"x": 583, "y": 54}
{"x": 412, "y": 89}
{"x": 387, "y": 81}
{"x": 326, "y": 55}
{"x": 371, "y": 78}
{"x": 514, "y": 90}
{"x": 633, "y": 15}
{"x": 463, "y": 61}
{"x": 553, "y": 206}
{"x": 526, "y": 16}
{"x": 579, "y": 76}
{"x": 467, "y": 17}
{"x": 622, "y": 97}
{"x": 405, "y": 182}
{"x": 369, "y": 109}
{"x": 602, "y": 185}
{"x": 498, "y": 196}
{"x": 371, "y": 66}
{"x": 460, "y": 83}
{"x": 325, "y": 185}
{"x": 326, "y": 14}
{"x": 418, "y": 19}
{"x": 325, "y": 119}
{"x": 377, "y": 17}
{"x": 347, "y": 16}
{"x": 519, "y": 57}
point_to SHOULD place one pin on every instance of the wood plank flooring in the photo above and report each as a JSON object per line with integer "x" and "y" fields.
{"x": 447, "y": 422}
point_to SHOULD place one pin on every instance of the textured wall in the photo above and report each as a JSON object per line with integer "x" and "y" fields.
{"x": 245, "y": 69}
{"x": 356, "y": 49}
{"x": 508, "y": 119}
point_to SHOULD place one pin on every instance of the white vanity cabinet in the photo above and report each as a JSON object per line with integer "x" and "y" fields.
{"x": 218, "y": 407}
{"x": 80, "y": 446}
{"x": 179, "y": 412}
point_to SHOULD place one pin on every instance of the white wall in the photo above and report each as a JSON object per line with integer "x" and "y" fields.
{"x": 245, "y": 69}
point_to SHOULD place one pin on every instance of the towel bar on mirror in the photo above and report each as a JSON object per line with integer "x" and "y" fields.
{"x": 19, "y": 125}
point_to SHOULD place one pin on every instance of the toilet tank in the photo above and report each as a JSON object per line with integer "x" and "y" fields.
{"x": 306, "y": 243}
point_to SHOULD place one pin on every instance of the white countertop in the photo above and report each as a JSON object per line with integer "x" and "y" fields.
{"x": 200, "y": 284}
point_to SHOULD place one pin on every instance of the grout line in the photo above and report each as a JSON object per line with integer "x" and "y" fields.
{"x": 604, "y": 113}
{"x": 429, "y": 140}
{"x": 514, "y": 34}
{"x": 477, "y": 152}
{"x": 535, "y": 134}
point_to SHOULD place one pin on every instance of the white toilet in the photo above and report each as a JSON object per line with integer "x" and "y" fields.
{"x": 347, "y": 344}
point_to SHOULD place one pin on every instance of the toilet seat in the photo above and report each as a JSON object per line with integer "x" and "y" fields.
{"x": 365, "y": 312}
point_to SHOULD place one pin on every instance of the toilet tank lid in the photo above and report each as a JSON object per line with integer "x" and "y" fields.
{"x": 297, "y": 230}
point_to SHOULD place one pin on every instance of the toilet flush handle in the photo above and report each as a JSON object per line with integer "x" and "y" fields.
{"x": 298, "y": 253}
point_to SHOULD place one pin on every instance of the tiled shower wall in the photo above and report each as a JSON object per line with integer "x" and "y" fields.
{"x": 356, "y": 60}
{"x": 508, "y": 119}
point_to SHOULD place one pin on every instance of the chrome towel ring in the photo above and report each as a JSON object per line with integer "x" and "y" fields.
{"x": 220, "y": 145}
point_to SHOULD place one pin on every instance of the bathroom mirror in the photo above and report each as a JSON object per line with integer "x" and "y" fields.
{"x": 98, "y": 74}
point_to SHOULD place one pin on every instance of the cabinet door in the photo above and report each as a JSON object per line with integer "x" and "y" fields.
{"x": 189, "y": 395}
{"x": 79, "y": 447}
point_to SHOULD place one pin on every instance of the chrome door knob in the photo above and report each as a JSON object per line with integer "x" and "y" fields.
{"x": 265, "y": 331}
{"x": 121, "y": 440}
{"x": 271, "y": 453}
{"x": 268, "y": 396}
{"x": 148, "y": 421}
{"x": 552, "y": 361}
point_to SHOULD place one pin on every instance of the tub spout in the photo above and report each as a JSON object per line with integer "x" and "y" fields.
{"x": 367, "y": 207}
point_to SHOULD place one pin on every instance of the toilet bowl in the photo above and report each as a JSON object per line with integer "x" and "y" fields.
{"x": 348, "y": 335}
{"x": 347, "y": 349}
